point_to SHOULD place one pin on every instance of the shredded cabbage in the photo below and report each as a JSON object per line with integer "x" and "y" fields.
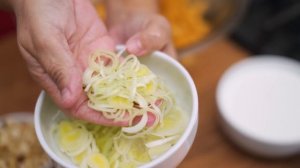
{"x": 122, "y": 89}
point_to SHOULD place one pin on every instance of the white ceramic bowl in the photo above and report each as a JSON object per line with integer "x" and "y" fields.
{"x": 258, "y": 100}
{"x": 176, "y": 78}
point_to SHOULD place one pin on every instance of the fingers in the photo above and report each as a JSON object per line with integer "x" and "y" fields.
{"x": 51, "y": 65}
{"x": 61, "y": 78}
{"x": 154, "y": 35}
{"x": 56, "y": 48}
{"x": 150, "y": 122}
{"x": 83, "y": 112}
{"x": 170, "y": 50}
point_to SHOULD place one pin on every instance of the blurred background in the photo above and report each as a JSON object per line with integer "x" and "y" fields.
{"x": 210, "y": 36}
{"x": 270, "y": 27}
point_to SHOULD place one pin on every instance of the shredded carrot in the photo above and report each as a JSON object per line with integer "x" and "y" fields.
{"x": 100, "y": 9}
{"x": 187, "y": 20}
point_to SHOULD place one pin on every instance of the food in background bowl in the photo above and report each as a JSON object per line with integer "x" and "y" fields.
{"x": 187, "y": 19}
{"x": 19, "y": 146}
{"x": 174, "y": 76}
{"x": 196, "y": 23}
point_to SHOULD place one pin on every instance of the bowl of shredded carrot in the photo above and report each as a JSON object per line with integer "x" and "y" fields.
{"x": 196, "y": 23}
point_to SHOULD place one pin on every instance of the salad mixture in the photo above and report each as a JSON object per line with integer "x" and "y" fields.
{"x": 122, "y": 89}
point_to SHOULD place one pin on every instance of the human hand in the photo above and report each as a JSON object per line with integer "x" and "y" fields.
{"x": 55, "y": 38}
{"x": 138, "y": 25}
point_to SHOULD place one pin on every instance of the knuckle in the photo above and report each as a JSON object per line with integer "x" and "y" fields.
{"x": 163, "y": 21}
{"x": 160, "y": 29}
{"x": 42, "y": 44}
{"x": 56, "y": 72}
{"x": 23, "y": 40}
{"x": 36, "y": 71}
{"x": 158, "y": 33}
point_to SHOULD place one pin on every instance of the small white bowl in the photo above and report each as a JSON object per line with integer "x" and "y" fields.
{"x": 259, "y": 104}
{"x": 175, "y": 77}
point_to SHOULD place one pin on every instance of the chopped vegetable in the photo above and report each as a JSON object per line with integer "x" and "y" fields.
{"x": 137, "y": 127}
{"x": 121, "y": 90}
{"x": 97, "y": 160}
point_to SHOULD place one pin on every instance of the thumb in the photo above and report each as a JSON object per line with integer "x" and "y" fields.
{"x": 155, "y": 35}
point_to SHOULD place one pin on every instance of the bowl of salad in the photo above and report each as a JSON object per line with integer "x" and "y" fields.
{"x": 134, "y": 89}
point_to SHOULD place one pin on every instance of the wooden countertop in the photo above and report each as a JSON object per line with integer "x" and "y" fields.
{"x": 211, "y": 149}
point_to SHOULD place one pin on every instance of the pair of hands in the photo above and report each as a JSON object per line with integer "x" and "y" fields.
{"x": 56, "y": 37}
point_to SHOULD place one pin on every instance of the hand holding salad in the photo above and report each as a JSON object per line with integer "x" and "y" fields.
{"x": 56, "y": 37}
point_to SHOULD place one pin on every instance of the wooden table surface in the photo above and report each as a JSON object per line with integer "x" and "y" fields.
{"x": 211, "y": 149}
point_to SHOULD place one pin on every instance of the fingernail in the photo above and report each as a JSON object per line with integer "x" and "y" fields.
{"x": 135, "y": 46}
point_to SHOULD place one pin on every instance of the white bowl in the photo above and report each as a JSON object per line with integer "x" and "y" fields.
{"x": 175, "y": 77}
{"x": 258, "y": 100}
